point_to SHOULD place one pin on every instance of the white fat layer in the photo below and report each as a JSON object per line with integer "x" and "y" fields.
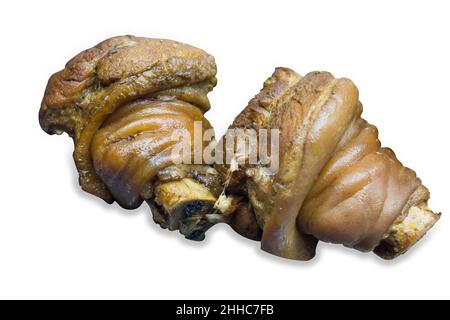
{"x": 223, "y": 203}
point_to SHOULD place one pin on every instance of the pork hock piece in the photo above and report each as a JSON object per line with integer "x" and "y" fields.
{"x": 334, "y": 183}
{"x": 122, "y": 100}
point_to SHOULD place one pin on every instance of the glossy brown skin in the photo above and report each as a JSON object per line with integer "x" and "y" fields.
{"x": 335, "y": 183}
{"x": 136, "y": 143}
{"x": 122, "y": 100}
{"x": 171, "y": 77}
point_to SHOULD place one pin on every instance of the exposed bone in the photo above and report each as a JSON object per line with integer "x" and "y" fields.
{"x": 406, "y": 231}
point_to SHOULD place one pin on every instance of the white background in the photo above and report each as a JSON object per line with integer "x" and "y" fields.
{"x": 58, "y": 242}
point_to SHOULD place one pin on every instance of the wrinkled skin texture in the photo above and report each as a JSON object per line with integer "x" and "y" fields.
{"x": 335, "y": 183}
{"x": 122, "y": 100}
{"x": 136, "y": 142}
{"x": 98, "y": 81}
{"x": 119, "y": 71}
